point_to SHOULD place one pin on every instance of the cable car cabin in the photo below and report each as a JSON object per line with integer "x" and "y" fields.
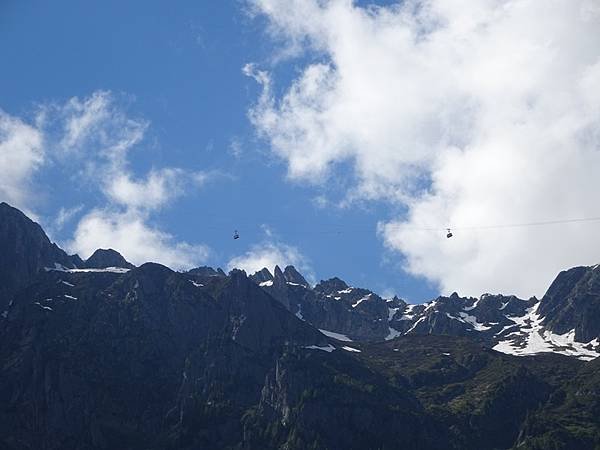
{"x": 449, "y": 234}
{"x": 236, "y": 235}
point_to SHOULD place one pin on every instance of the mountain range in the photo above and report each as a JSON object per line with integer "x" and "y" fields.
{"x": 101, "y": 354}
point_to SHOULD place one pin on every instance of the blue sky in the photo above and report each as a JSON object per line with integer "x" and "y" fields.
{"x": 180, "y": 68}
{"x": 343, "y": 137}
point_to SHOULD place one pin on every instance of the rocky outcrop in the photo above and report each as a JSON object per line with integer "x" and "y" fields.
{"x": 564, "y": 321}
{"x": 331, "y": 305}
{"x": 149, "y": 358}
{"x": 102, "y": 358}
{"x": 573, "y": 303}
{"x": 103, "y": 258}
{"x": 25, "y": 251}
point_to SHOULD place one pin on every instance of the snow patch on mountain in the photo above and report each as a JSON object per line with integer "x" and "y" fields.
{"x": 329, "y": 348}
{"x": 338, "y": 336}
{"x": 299, "y": 313}
{"x": 393, "y": 333}
{"x": 351, "y": 349}
{"x": 61, "y": 268}
{"x": 359, "y": 301}
{"x": 472, "y": 320}
{"x": 531, "y": 338}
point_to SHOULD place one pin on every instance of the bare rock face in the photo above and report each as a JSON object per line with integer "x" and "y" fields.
{"x": 102, "y": 358}
{"x": 573, "y": 303}
{"x": 148, "y": 358}
{"x": 566, "y": 320}
{"x": 25, "y": 251}
{"x": 331, "y": 305}
{"x": 103, "y": 258}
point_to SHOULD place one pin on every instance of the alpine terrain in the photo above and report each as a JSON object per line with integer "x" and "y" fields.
{"x": 101, "y": 354}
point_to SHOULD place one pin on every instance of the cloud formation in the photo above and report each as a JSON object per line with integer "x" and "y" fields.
{"x": 21, "y": 155}
{"x": 467, "y": 113}
{"x": 95, "y": 136}
{"x": 132, "y": 235}
{"x": 98, "y": 126}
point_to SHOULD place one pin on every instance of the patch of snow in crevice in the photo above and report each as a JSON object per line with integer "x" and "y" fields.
{"x": 345, "y": 291}
{"x": 450, "y": 316}
{"x": 430, "y": 305}
{"x": 507, "y": 327}
{"x": 196, "y": 284}
{"x": 338, "y": 336}
{"x": 391, "y": 313}
{"x": 350, "y": 349}
{"x": 70, "y": 297}
{"x": 105, "y": 270}
{"x": 329, "y": 348}
{"x": 469, "y": 308}
{"x": 503, "y": 305}
{"x": 392, "y": 334}
{"x": 299, "y": 313}
{"x": 266, "y": 283}
{"x": 415, "y": 325}
{"x": 366, "y": 297}
{"x": 472, "y": 320}
{"x": 66, "y": 283}
{"x": 409, "y": 314}
{"x": 47, "y": 308}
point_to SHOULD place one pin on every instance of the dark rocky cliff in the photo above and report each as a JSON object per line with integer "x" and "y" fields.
{"x": 148, "y": 358}
{"x": 25, "y": 251}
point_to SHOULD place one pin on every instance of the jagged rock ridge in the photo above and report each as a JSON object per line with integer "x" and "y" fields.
{"x": 148, "y": 358}
{"x": 564, "y": 321}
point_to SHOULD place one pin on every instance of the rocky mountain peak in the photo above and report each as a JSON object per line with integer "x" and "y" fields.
{"x": 25, "y": 251}
{"x": 572, "y": 303}
{"x": 262, "y": 275}
{"x": 331, "y": 285}
{"x": 291, "y": 275}
{"x": 103, "y": 258}
{"x": 206, "y": 271}
{"x": 277, "y": 273}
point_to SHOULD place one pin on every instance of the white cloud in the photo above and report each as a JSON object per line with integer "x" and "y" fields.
{"x": 21, "y": 155}
{"x": 82, "y": 118}
{"x": 468, "y": 113}
{"x": 65, "y": 215}
{"x": 131, "y": 235}
{"x": 98, "y": 130}
{"x": 269, "y": 255}
{"x": 235, "y": 148}
{"x": 153, "y": 191}
{"x": 93, "y": 138}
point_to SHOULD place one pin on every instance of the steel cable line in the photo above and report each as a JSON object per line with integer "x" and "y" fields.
{"x": 349, "y": 228}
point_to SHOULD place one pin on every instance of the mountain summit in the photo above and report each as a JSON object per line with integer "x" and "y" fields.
{"x": 25, "y": 251}
{"x": 102, "y": 354}
{"x": 104, "y": 258}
